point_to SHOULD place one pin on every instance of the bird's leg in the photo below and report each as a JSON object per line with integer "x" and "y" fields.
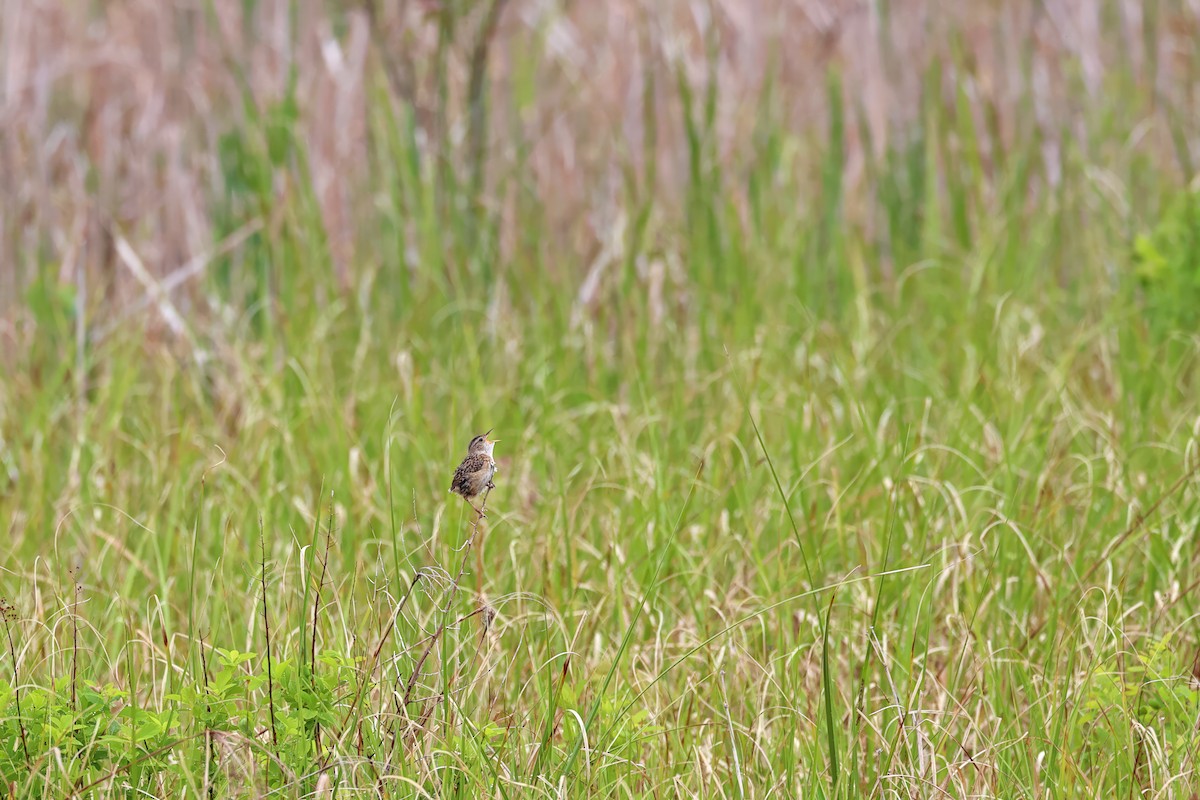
{"x": 491, "y": 485}
{"x": 477, "y": 511}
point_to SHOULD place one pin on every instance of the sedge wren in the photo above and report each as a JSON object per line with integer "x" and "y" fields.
{"x": 474, "y": 474}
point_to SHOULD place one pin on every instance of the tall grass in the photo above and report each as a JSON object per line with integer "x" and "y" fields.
{"x": 943, "y": 540}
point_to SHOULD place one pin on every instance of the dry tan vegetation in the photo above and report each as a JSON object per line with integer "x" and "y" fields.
{"x": 112, "y": 112}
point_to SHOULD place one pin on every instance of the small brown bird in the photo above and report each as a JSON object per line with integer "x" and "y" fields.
{"x": 474, "y": 474}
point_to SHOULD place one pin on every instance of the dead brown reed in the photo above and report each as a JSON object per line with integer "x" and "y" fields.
{"x": 111, "y": 115}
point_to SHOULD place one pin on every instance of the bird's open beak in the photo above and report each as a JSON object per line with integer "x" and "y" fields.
{"x": 489, "y": 430}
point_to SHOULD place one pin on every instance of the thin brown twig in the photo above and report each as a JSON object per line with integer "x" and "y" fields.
{"x": 1141, "y": 518}
{"x": 262, "y": 541}
{"x": 115, "y": 771}
{"x": 8, "y": 614}
{"x": 78, "y": 589}
{"x": 371, "y": 667}
{"x": 462, "y": 565}
{"x": 312, "y": 665}
{"x": 458, "y": 621}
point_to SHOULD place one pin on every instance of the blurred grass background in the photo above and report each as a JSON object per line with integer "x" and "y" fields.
{"x": 279, "y": 261}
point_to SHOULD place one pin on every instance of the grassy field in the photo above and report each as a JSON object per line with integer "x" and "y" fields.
{"x": 830, "y": 465}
